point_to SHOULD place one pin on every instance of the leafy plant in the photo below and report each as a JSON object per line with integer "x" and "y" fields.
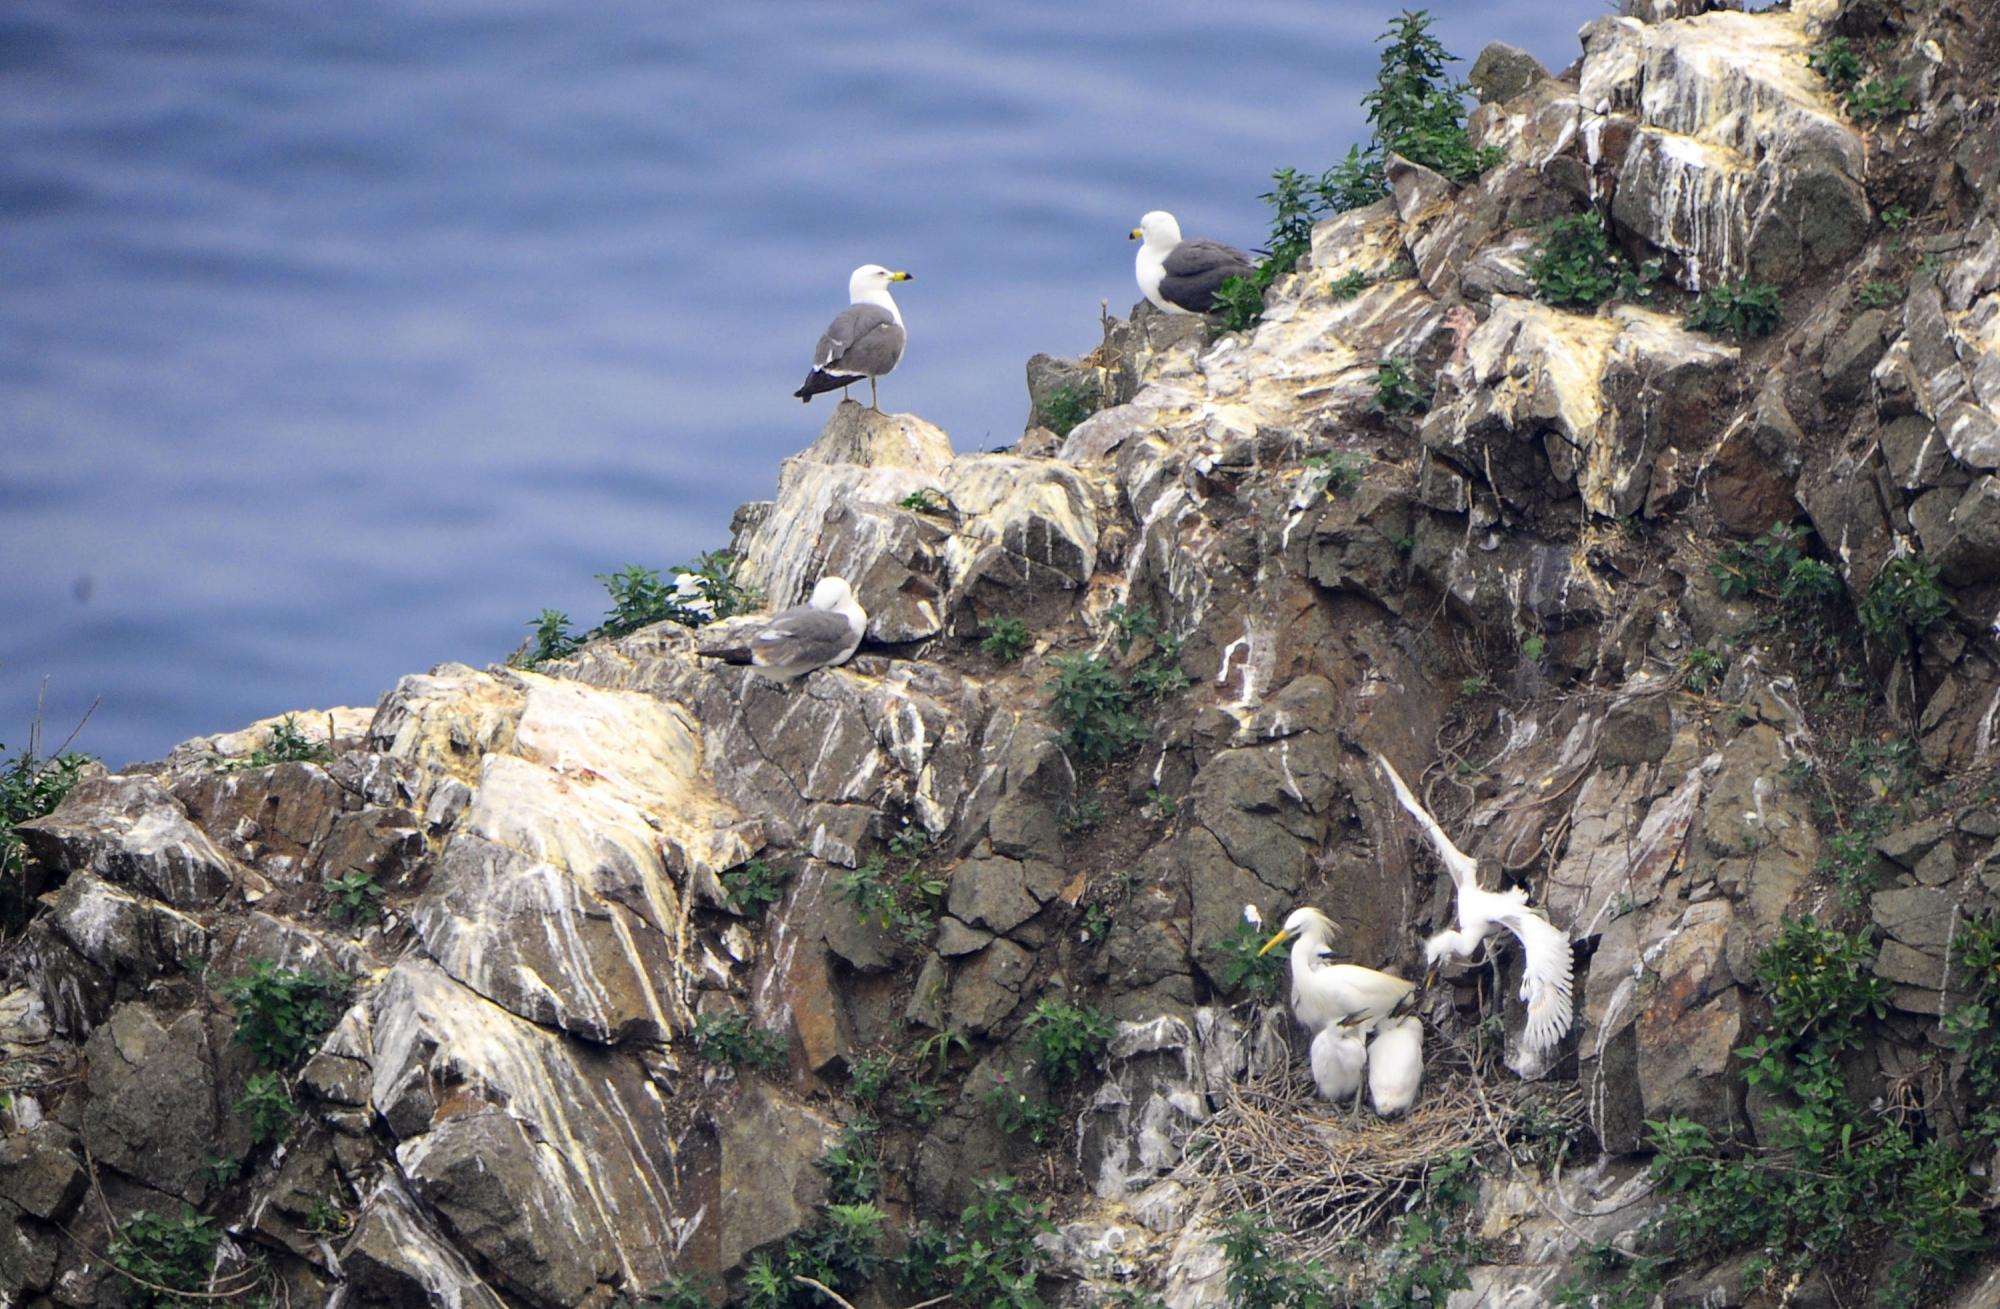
{"x": 1238, "y": 304}
{"x": 929, "y": 500}
{"x": 853, "y": 1173}
{"x": 356, "y": 896}
{"x": 1338, "y": 473}
{"x": 1096, "y": 923}
{"x": 841, "y": 1249}
{"x": 920, "y": 1103}
{"x": 552, "y": 639}
{"x": 1874, "y": 295}
{"x": 730, "y": 1039}
{"x": 1348, "y": 285}
{"x": 1400, "y": 388}
{"x": 160, "y": 1256}
{"x": 267, "y": 1103}
{"x": 1134, "y": 623}
{"x": 1094, "y": 707}
{"x": 1534, "y": 645}
{"x": 1702, "y": 668}
{"x": 219, "y": 1172}
{"x": 754, "y": 886}
{"x": 700, "y": 593}
{"x": 1066, "y": 1039}
{"x": 1066, "y": 406}
{"x": 1878, "y": 98}
{"x": 991, "y": 1259}
{"x": 1838, "y": 62}
{"x": 1904, "y": 602}
{"x": 1258, "y": 1277}
{"x": 1477, "y": 684}
{"x": 1161, "y": 805}
{"x": 281, "y": 1013}
{"x": 1006, "y": 640}
{"x": 1014, "y": 1111}
{"x": 1417, "y": 111}
{"x": 1895, "y": 217}
{"x": 938, "y": 1048}
{"x": 1082, "y": 814}
{"x": 30, "y": 787}
{"x": 675, "y": 1291}
{"x": 287, "y": 745}
{"x": 326, "y": 1218}
{"x": 1974, "y": 1027}
{"x": 868, "y": 1077}
{"x": 1160, "y": 674}
{"x": 1574, "y": 264}
{"x": 1740, "y": 309}
{"x": 1243, "y": 968}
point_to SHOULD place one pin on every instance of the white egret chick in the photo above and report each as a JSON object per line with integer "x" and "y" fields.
{"x": 1395, "y": 1065}
{"x": 1325, "y": 993}
{"x": 1545, "y": 979}
{"x": 1339, "y": 1058}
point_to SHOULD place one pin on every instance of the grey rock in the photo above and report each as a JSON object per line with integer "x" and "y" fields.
{"x": 515, "y": 1205}
{"x": 41, "y": 1172}
{"x": 396, "y": 1259}
{"x": 1916, "y": 453}
{"x": 992, "y": 893}
{"x": 131, "y": 832}
{"x": 1908, "y": 845}
{"x": 1047, "y": 375}
{"x": 769, "y": 1185}
{"x": 1852, "y": 357}
{"x": 1967, "y": 547}
{"x": 954, "y": 938}
{"x": 151, "y": 1112}
{"x": 1503, "y": 71}
{"x": 1921, "y": 917}
{"x": 926, "y": 1006}
{"x": 1637, "y": 730}
{"x": 123, "y": 932}
{"x": 987, "y": 989}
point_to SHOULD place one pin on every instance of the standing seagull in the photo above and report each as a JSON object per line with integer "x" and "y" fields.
{"x": 824, "y": 631}
{"x": 1182, "y": 277}
{"x": 1545, "y": 980}
{"x": 865, "y": 339}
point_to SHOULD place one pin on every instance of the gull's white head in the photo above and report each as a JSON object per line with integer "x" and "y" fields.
{"x": 871, "y": 279}
{"x": 831, "y": 593}
{"x": 1159, "y": 229}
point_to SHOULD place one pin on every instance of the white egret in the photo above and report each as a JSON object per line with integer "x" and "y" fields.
{"x": 1545, "y": 978}
{"x": 1395, "y": 1065}
{"x": 1325, "y": 993}
{"x": 1339, "y": 1058}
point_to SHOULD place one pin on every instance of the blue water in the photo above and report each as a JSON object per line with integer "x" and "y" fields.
{"x": 336, "y": 341}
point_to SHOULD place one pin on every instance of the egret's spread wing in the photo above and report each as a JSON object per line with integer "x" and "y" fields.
{"x": 1464, "y": 870}
{"x": 864, "y": 340}
{"x": 1545, "y": 978}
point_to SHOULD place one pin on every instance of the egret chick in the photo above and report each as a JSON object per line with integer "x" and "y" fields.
{"x": 1545, "y": 979}
{"x": 1339, "y": 1058}
{"x": 1325, "y": 993}
{"x": 1395, "y": 1066}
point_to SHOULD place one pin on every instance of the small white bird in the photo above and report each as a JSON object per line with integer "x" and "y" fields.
{"x": 866, "y": 339}
{"x": 1182, "y": 277}
{"x": 1326, "y": 993}
{"x": 1395, "y": 1065}
{"x": 824, "y": 631}
{"x": 1339, "y": 1057}
{"x": 1545, "y": 978}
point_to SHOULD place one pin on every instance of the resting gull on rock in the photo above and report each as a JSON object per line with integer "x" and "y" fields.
{"x": 1179, "y": 276}
{"x": 865, "y": 339}
{"x": 824, "y": 631}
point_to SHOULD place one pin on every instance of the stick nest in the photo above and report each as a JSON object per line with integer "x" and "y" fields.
{"x": 1277, "y": 1148}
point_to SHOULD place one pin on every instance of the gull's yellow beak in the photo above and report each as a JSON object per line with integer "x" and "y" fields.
{"x": 1136, "y": 234}
{"x": 899, "y": 277}
{"x": 1273, "y": 941}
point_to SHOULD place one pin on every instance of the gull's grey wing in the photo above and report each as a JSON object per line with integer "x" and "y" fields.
{"x": 801, "y": 637}
{"x": 1195, "y": 270}
{"x": 864, "y": 340}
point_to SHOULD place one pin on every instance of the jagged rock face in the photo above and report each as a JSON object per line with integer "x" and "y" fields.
{"x": 1500, "y": 596}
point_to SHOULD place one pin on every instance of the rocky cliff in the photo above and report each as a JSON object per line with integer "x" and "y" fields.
{"x": 552, "y": 987}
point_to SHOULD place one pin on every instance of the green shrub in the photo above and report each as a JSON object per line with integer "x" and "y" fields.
{"x": 552, "y": 639}
{"x": 1082, "y": 814}
{"x": 754, "y": 886}
{"x": 1974, "y": 1027}
{"x": 1006, "y": 640}
{"x": 1066, "y": 1039}
{"x": 356, "y": 896}
{"x": 1243, "y": 968}
{"x": 938, "y": 1048}
{"x": 1878, "y": 98}
{"x": 1238, "y": 303}
{"x": 1014, "y": 1111}
{"x": 1820, "y": 982}
{"x": 1904, "y": 602}
{"x": 160, "y": 1256}
{"x": 1876, "y": 294}
{"x": 868, "y": 1077}
{"x": 1417, "y": 111}
{"x": 1574, "y": 264}
{"x": 841, "y": 1249}
{"x": 1094, "y": 708}
{"x": 288, "y": 745}
{"x": 991, "y": 1259}
{"x": 1134, "y": 623}
{"x": 1348, "y": 285}
{"x": 927, "y": 501}
{"x": 1703, "y": 668}
{"x": 30, "y": 787}
{"x": 640, "y": 597}
{"x": 1400, "y": 388}
{"x": 675, "y": 1291}
{"x": 281, "y": 1013}
{"x": 1257, "y": 1276}
{"x": 1838, "y": 62}
{"x": 730, "y": 1039}
{"x": 1160, "y": 675}
{"x": 919, "y": 1103}
{"x": 853, "y": 1172}
{"x": 1740, "y": 309}
{"x": 1340, "y": 472}
{"x": 1066, "y": 406}
{"x": 1896, "y": 217}
{"x": 267, "y": 1103}
{"x": 905, "y": 901}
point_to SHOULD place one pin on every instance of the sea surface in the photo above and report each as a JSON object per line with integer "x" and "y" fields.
{"x": 338, "y": 340}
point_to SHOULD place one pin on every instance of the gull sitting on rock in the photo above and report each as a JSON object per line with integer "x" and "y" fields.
{"x": 823, "y": 632}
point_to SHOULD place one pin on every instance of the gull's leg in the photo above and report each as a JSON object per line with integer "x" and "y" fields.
{"x": 873, "y": 403}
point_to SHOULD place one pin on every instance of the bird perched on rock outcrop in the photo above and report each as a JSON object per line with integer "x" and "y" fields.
{"x": 821, "y": 633}
{"x": 1396, "y": 1065}
{"x": 1179, "y": 276}
{"x": 1545, "y": 978}
{"x": 865, "y": 339}
{"x": 1325, "y": 993}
